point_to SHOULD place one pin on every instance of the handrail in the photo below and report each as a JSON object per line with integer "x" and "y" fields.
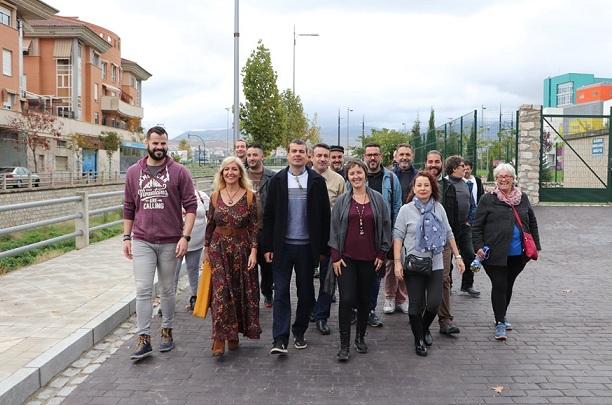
{"x": 34, "y": 204}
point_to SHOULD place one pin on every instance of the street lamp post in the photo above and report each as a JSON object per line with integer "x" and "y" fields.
{"x": 189, "y": 135}
{"x": 294, "y": 42}
{"x": 348, "y": 110}
{"x": 236, "y": 108}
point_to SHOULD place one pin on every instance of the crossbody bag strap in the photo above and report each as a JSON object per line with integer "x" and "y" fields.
{"x": 518, "y": 218}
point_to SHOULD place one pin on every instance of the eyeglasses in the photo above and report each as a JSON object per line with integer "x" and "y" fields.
{"x": 371, "y": 155}
{"x": 504, "y": 176}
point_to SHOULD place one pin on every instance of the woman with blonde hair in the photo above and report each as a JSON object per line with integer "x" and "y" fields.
{"x": 231, "y": 248}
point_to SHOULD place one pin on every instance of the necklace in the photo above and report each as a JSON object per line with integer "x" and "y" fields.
{"x": 231, "y": 196}
{"x": 360, "y": 212}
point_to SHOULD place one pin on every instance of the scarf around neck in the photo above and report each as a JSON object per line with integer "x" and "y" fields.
{"x": 513, "y": 198}
{"x": 430, "y": 235}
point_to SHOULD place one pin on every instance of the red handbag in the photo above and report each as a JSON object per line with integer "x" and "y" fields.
{"x": 529, "y": 246}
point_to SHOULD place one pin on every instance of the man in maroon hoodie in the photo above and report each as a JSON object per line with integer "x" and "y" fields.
{"x": 157, "y": 190}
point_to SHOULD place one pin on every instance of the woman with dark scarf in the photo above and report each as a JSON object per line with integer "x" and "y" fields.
{"x": 360, "y": 236}
{"x": 422, "y": 229}
{"x": 496, "y": 227}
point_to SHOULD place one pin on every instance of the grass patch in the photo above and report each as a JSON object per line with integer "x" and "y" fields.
{"x": 19, "y": 239}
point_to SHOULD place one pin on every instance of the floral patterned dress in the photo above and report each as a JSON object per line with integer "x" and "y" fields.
{"x": 230, "y": 234}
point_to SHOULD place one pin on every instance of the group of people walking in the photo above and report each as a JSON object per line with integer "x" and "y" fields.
{"x": 357, "y": 221}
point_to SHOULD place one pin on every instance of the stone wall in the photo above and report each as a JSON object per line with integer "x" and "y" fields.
{"x": 25, "y": 216}
{"x": 528, "y": 171}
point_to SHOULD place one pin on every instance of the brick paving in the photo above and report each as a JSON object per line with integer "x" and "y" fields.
{"x": 559, "y": 352}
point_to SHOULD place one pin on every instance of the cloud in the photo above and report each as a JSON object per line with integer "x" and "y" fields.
{"x": 388, "y": 60}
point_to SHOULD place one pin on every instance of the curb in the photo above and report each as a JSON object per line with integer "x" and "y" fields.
{"x": 16, "y": 388}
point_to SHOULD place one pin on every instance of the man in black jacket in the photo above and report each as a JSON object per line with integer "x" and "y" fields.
{"x": 260, "y": 176}
{"x": 296, "y": 233}
{"x": 460, "y": 208}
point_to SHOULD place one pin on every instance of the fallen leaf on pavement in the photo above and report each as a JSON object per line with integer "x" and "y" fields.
{"x": 499, "y": 389}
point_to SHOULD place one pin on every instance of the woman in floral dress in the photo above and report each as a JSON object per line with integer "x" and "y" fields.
{"x": 231, "y": 246}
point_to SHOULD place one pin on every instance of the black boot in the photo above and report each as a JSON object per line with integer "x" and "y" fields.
{"x": 345, "y": 344}
{"x": 416, "y": 324}
{"x": 428, "y": 318}
{"x": 360, "y": 343}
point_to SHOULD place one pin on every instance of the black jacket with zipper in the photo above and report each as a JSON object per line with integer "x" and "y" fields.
{"x": 494, "y": 225}
{"x": 276, "y": 211}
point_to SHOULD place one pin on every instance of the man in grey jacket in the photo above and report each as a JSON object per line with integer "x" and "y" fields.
{"x": 260, "y": 177}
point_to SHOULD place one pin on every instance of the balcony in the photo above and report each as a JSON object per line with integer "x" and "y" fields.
{"x": 114, "y": 104}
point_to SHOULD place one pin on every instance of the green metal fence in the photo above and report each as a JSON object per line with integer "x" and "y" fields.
{"x": 575, "y": 154}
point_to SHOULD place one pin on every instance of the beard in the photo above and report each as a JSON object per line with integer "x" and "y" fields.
{"x": 157, "y": 154}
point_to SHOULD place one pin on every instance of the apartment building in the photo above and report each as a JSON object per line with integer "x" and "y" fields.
{"x": 74, "y": 70}
{"x": 12, "y": 16}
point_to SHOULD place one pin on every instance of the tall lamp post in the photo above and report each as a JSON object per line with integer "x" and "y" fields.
{"x": 348, "y": 110}
{"x": 294, "y": 42}
{"x": 236, "y": 108}
{"x": 189, "y": 135}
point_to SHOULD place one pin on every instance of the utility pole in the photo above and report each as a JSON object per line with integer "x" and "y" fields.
{"x": 338, "y": 126}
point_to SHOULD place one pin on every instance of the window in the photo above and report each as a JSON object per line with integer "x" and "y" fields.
{"x": 104, "y": 69}
{"x": 7, "y": 62}
{"x": 95, "y": 58}
{"x": 564, "y": 94}
{"x": 64, "y": 78}
{"x": 8, "y": 102}
{"x": 96, "y": 118}
{"x": 62, "y": 144}
{"x": 114, "y": 73}
{"x": 5, "y": 16}
{"x": 61, "y": 163}
{"x": 64, "y": 112}
{"x": 96, "y": 89}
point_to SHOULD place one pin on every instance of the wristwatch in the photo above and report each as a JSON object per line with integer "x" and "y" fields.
{"x": 187, "y": 237}
{"x": 127, "y": 237}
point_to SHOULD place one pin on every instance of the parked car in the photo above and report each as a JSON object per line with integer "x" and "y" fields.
{"x": 18, "y": 177}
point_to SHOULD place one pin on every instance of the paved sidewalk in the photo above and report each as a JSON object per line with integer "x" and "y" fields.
{"x": 559, "y": 352}
{"x": 53, "y": 311}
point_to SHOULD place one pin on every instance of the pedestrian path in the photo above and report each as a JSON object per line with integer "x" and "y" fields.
{"x": 51, "y": 312}
{"x": 560, "y": 350}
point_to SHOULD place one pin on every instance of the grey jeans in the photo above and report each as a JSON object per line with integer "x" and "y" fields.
{"x": 147, "y": 257}
{"x": 193, "y": 261}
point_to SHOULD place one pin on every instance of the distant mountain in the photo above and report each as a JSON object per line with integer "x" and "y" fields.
{"x": 218, "y": 137}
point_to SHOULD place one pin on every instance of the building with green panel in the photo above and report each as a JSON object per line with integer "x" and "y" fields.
{"x": 560, "y": 91}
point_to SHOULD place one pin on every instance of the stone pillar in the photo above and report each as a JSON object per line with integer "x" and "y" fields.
{"x": 528, "y": 171}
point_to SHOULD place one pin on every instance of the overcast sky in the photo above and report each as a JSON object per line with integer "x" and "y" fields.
{"x": 386, "y": 59}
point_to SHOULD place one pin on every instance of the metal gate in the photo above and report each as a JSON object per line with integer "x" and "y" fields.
{"x": 575, "y": 155}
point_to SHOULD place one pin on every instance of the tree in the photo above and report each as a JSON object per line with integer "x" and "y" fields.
{"x": 36, "y": 128}
{"x": 430, "y": 143}
{"x": 76, "y": 143}
{"x": 388, "y": 139}
{"x": 313, "y": 134}
{"x": 111, "y": 142}
{"x": 184, "y": 145}
{"x": 417, "y": 143}
{"x": 296, "y": 124}
{"x": 262, "y": 115}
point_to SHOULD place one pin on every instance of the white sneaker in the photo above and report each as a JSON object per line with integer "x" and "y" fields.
{"x": 403, "y": 307}
{"x": 389, "y": 306}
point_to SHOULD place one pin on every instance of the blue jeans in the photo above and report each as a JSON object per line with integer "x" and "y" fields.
{"x": 375, "y": 288}
{"x": 323, "y": 305}
{"x": 296, "y": 257}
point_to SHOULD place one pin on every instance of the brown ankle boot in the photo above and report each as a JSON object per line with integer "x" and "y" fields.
{"x": 218, "y": 347}
{"x": 232, "y": 344}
